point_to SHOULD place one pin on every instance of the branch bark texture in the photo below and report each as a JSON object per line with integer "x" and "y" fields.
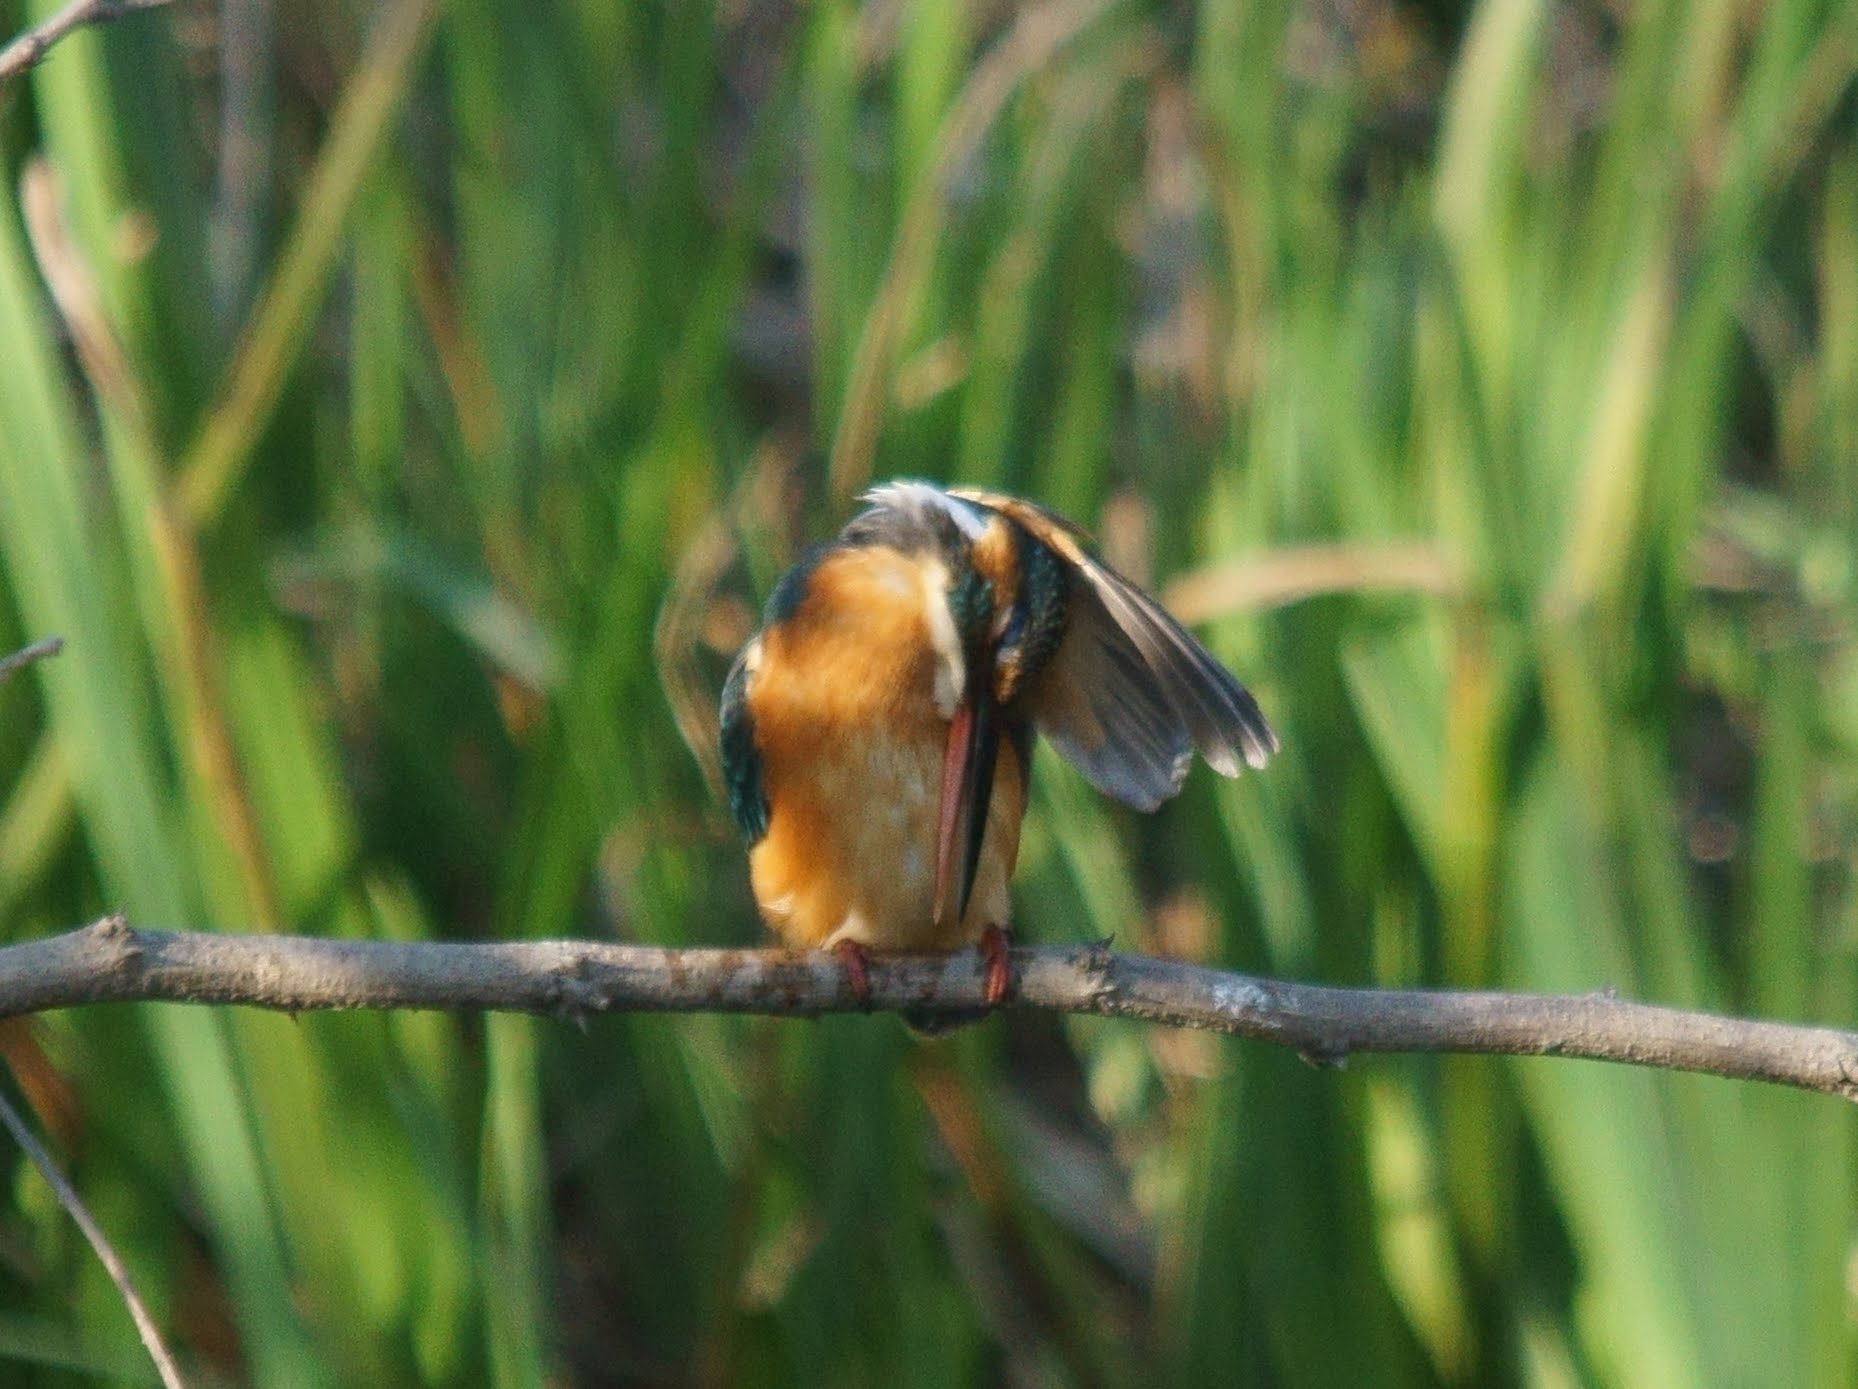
{"x": 28, "y": 49}
{"x": 112, "y": 962}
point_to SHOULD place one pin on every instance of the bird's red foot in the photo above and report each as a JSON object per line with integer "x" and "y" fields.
{"x": 857, "y": 964}
{"x": 994, "y": 946}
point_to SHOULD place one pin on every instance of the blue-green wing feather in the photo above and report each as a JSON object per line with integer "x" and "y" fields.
{"x": 748, "y": 797}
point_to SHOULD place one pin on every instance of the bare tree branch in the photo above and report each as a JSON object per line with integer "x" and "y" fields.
{"x": 106, "y": 1252}
{"x": 110, "y": 962}
{"x": 30, "y": 47}
{"x": 25, "y": 656}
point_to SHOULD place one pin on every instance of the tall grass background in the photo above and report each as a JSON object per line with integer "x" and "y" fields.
{"x": 1482, "y": 380}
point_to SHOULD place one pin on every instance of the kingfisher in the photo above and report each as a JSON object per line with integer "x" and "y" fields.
{"x": 876, "y": 733}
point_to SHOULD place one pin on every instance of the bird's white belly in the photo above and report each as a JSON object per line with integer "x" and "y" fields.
{"x": 864, "y": 870}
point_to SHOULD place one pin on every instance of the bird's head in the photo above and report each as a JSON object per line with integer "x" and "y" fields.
{"x": 995, "y": 598}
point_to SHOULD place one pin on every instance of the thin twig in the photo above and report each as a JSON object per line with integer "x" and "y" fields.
{"x": 29, "y": 49}
{"x": 25, "y": 656}
{"x": 111, "y": 962}
{"x": 106, "y": 1252}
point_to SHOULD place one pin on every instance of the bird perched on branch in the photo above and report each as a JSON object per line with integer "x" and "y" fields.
{"x": 877, "y": 732}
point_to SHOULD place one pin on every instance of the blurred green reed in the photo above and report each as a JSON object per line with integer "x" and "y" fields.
{"x": 1542, "y": 319}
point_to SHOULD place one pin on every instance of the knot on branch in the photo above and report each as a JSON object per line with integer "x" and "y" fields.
{"x": 114, "y": 942}
{"x": 1324, "y": 1056}
{"x": 1847, "y": 1083}
{"x": 572, "y": 997}
{"x": 1097, "y": 962}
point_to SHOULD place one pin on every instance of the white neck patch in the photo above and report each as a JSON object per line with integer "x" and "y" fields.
{"x": 951, "y": 668}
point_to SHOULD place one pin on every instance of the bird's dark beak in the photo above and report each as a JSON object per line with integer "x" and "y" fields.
{"x": 967, "y": 790}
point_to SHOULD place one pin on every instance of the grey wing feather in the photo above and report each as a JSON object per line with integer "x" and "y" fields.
{"x": 1099, "y": 706}
{"x": 1220, "y": 715}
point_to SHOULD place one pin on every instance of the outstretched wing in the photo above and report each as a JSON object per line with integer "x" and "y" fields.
{"x": 1128, "y": 695}
{"x": 748, "y": 797}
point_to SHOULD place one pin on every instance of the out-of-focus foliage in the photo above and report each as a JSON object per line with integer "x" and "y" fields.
{"x": 370, "y": 376}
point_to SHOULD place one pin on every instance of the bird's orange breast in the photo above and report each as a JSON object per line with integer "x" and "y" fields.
{"x": 852, "y": 743}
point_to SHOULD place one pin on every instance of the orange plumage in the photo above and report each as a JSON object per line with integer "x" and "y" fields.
{"x": 852, "y": 749}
